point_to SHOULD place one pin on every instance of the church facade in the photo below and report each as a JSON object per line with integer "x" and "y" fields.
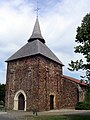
{"x": 35, "y": 79}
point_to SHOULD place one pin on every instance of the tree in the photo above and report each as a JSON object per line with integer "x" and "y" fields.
{"x": 2, "y": 93}
{"x": 83, "y": 47}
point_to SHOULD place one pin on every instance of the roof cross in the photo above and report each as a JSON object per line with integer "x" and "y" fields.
{"x": 37, "y": 9}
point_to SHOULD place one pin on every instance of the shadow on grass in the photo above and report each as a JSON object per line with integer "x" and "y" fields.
{"x": 78, "y": 117}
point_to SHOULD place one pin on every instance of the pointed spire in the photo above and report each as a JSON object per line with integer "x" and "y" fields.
{"x": 36, "y": 34}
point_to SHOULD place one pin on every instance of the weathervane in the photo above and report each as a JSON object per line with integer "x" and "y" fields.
{"x": 37, "y": 9}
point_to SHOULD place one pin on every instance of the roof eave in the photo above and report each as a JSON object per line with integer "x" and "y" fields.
{"x": 9, "y": 60}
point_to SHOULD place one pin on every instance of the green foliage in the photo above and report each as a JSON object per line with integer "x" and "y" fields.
{"x": 83, "y": 47}
{"x": 87, "y": 97}
{"x": 83, "y": 39}
{"x": 76, "y": 65}
{"x": 88, "y": 88}
{"x": 83, "y": 106}
{"x": 2, "y": 93}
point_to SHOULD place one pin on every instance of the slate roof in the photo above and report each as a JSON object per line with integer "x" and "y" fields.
{"x": 74, "y": 80}
{"x": 36, "y": 45}
{"x": 34, "y": 48}
{"x": 36, "y": 34}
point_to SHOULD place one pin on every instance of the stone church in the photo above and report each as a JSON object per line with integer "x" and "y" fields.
{"x": 35, "y": 79}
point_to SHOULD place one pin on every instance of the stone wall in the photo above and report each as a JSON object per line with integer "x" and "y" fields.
{"x": 50, "y": 83}
{"x": 82, "y": 92}
{"x": 70, "y": 94}
{"x": 38, "y": 77}
{"x": 21, "y": 75}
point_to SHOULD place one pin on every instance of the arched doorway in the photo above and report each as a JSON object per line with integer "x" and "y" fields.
{"x": 51, "y": 102}
{"x": 21, "y": 102}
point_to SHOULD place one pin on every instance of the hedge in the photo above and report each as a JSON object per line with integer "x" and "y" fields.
{"x": 83, "y": 106}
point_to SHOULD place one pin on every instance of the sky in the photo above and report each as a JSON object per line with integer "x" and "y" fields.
{"x": 58, "y": 20}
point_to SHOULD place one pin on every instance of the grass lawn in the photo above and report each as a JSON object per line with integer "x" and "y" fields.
{"x": 59, "y": 117}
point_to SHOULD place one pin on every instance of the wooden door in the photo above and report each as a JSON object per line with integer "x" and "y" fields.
{"x": 51, "y": 102}
{"x": 21, "y": 102}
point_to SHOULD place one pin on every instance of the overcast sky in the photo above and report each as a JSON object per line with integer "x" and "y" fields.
{"x": 58, "y": 20}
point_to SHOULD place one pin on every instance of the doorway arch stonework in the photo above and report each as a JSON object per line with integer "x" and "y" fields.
{"x": 16, "y": 97}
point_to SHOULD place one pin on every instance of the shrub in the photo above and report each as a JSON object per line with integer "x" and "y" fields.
{"x": 83, "y": 106}
{"x": 87, "y": 97}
